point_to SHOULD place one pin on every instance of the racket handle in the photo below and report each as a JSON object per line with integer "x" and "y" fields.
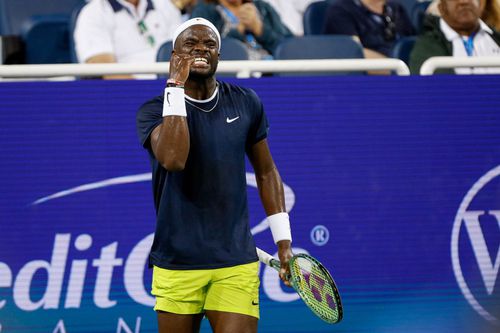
{"x": 268, "y": 259}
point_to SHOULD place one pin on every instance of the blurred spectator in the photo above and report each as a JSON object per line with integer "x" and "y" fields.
{"x": 125, "y": 31}
{"x": 459, "y": 33}
{"x": 186, "y": 7}
{"x": 490, "y": 12}
{"x": 376, "y": 24}
{"x": 255, "y": 23}
{"x": 292, "y": 13}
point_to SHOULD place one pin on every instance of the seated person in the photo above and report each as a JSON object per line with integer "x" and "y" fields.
{"x": 459, "y": 33}
{"x": 376, "y": 24}
{"x": 124, "y": 31}
{"x": 490, "y": 12}
{"x": 292, "y": 13}
{"x": 255, "y": 23}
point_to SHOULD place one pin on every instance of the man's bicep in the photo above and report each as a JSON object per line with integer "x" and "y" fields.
{"x": 260, "y": 157}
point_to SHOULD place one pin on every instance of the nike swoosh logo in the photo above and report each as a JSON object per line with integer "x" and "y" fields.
{"x": 255, "y": 303}
{"x": 231, "y": 120}
{"x": 168, "y": 95}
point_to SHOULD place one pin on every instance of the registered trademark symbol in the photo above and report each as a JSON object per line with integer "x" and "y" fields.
{"x": 320, "y": 235}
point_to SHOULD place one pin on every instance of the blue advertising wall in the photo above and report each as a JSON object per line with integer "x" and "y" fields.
{"x": 392, "y": 182}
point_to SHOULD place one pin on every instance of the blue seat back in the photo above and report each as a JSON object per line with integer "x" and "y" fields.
{"x": 403, "y": 47}
{"x": 15, "y": 13}
{"x": 46, "y": 39}
{"x": 319, "y": 47}
{"x": 314, "y": 17}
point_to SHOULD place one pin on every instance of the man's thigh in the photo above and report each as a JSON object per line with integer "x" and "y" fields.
{"x": 235, "y": 290}
{"x": 181, "y": 292}
{"x": 176, "y": 323}
{"x": 227, "y": 322}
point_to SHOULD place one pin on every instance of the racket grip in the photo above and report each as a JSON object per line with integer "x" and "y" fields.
{"x": 268, "y": 259}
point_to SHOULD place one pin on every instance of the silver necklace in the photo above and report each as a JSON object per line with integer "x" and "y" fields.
{"x": 211, "y": 109}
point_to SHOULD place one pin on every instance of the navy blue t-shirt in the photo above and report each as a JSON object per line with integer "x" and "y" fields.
{"x": 351, "y": 17}
{"x": 202, "y": 213}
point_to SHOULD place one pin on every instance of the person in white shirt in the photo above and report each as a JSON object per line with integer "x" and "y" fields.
{"x": 124, "y": 31}
{"x": 292, "y": 13}
{"x": 458, "y": 33}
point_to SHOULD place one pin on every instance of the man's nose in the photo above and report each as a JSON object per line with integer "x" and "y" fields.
{"x": 200, "y": 47}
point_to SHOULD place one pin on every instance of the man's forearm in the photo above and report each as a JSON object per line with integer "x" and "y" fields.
{"x": 172, "y": 146}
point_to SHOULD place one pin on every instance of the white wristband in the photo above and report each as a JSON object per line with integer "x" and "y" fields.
{"x": 173, "y": 103}
{"x": 280, "y": 227}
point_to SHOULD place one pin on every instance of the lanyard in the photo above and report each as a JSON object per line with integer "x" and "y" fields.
{"x": 141, "y": 24}
{"x": 469, "y": 44}
{"x": 143, "y": 29}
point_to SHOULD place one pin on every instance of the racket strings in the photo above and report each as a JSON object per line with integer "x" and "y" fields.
{"x": 316, "y": 288}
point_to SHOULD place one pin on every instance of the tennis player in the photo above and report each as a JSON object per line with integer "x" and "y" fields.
{"x": 197, "y": 135}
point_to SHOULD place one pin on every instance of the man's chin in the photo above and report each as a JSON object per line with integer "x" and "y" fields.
{"x": 197, "y": 73}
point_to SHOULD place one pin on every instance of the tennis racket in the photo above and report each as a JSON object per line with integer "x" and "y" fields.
{"x": 314, "y": 284}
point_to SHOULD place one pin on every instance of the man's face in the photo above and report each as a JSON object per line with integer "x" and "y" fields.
{"x": 200, "y": 42}
{"x": 460, "y": 14}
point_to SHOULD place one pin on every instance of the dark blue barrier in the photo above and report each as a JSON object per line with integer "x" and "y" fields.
{"x": 392, "y": 182}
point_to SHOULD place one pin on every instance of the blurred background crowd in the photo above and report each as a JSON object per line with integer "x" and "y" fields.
{"x": 139, "y": 31}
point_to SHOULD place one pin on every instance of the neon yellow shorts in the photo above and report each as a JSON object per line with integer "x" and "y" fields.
{"x": 230, "y": 289}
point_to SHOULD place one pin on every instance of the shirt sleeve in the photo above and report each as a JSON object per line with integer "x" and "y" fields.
{"x": 92, "y": 33}
{"x": 148, "y": 118}
{"x": 339, "y": 21}
{"x": 260, "y": 126}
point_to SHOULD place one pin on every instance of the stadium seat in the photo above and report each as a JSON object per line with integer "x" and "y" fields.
{"x": 46, "y": 39}
{"x": 231, "y": 49}
{"x": 314, "y": 17}
{"x": 418, "y": 14}
{"x": 403, "y": 47}
{"x": 15, "y": 13}
{"x": 319, "y": 47}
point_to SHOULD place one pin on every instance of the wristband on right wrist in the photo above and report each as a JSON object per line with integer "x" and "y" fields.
{"x": 280, "y": 227}
{"x": 175, "y": 83}
{"x": 173, "y": 103}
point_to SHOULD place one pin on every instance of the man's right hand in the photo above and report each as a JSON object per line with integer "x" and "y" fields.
{"x": 180, "y": 64}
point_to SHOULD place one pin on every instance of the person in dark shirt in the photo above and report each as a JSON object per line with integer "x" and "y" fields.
{"x": 197, "y": 136}
{"x": 376, "y": 24}
{"x": 255, "y": 23}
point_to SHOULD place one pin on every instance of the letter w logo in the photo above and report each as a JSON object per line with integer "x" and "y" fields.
{"x": 487, "y": 267}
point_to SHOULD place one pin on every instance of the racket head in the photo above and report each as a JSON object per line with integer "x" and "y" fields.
{"x": 316, "y": 287}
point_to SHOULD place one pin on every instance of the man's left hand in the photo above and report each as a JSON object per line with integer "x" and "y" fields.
{"x": 285, "y": 254}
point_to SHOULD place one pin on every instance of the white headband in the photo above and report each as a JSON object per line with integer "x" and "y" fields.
{"x": 195, "y": 21}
